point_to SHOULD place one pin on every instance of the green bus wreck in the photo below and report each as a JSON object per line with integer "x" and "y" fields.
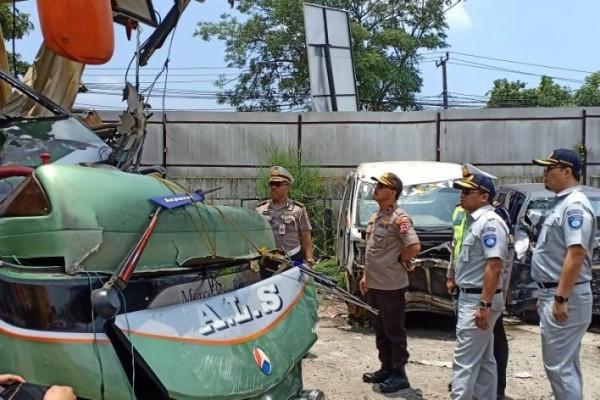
{"x": 199, "y": 318}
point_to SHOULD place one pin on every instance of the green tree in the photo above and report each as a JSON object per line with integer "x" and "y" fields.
{"x": 22, "y": 25}
{"x": 514, "y": 94}
{"x": 268, "y": 43}
{"x": 550, "y": 94}
{"x": 510, "y": 94}
{"x": 588, "y": 94}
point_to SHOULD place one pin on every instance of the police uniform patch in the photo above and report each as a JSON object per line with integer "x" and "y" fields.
{"x": 575, "y": 219}
{"x": 489, "y": 229}
{"x": 489, "y": 240}
{"x": 459, "y": 218}
{"x": 404, "y": 224}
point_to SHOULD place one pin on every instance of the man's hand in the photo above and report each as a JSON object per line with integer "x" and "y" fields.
{"x": 482, "y": 317}
{"x": 9, "y": 379}
{"x": 362, "y": 285}
{"x": 60, "y": 393}
{"x": 560, "y": 312}
{"x": 450, "y": 285}
{"x": 409, "y": 265}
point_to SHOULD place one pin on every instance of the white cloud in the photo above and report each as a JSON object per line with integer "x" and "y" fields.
{"x": 458, "y": 19}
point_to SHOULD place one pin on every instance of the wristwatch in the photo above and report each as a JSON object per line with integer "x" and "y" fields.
{"x": 560, "y": 299}
{"x": 484, "y": 304}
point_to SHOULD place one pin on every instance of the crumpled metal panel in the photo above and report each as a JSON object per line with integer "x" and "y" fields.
{"x": 53, "y": 76}
{"x": 97, "y": 215}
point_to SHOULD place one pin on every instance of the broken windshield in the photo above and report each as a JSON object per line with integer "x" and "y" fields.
{"x": 429, "y": 205}
{"x": 22, "y": 141}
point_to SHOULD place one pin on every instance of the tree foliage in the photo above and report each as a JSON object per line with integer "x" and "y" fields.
{"x": 547, "y": 94}
{"x": 267, "y": 42}
{"x": 22, "y": 25}
{"x": 588, "y": 94}
{"x": 515, "y": 94}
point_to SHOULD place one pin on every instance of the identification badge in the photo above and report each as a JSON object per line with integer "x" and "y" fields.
{"x": 282, "y": 228}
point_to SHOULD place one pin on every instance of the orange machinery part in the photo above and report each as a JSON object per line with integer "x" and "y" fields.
{"x": 80, "y": 30}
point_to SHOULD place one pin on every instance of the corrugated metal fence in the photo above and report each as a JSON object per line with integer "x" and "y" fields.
{"x": 207, "y": 150}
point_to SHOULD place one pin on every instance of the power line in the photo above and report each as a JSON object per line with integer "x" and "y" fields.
{"x": 472, "y": 64}
{"x": 435, "y": 55}
{"x": 523, "y": 63}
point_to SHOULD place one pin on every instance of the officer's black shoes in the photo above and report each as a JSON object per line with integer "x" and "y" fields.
{"x": 377, "y": 376}
{"x": 394, "y": 383}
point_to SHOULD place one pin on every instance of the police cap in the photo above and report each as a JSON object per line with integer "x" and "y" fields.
{"x": 280, "y": 174}
{"x": 477, "y": 182}
{"x": 390, "y": 180}
{"x": 561, "y": 157}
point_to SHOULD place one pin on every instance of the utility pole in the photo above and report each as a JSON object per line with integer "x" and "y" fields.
{"x": 442, "y": 62}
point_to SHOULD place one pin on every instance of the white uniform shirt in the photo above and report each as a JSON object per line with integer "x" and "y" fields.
{"x": 486, "y": 237}
{"x": 570, "y": 222}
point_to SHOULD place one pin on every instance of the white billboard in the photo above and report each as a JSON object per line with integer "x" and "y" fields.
{"x": 330, "y": 61}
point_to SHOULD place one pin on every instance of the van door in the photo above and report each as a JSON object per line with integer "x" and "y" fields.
{"x": 343, "y": 227}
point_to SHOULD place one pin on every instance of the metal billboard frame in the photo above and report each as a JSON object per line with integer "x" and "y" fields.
{"x": 318, "y": 39}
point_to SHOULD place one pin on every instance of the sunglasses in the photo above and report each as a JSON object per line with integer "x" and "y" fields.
{"x": 277, "y": 184}
{"x": 551, "y": 167}
{"x": 381, "y": 186}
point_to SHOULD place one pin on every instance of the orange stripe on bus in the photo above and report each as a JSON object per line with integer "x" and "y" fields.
{"x": 225, "y": 342}
{"x": 46, "y": 339}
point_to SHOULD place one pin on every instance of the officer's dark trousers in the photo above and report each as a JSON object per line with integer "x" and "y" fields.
{"x": 500, "y": 353}
{"x": 390, "y": 334}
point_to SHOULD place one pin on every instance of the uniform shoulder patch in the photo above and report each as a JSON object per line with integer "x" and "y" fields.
{"x": 489, "y": 228}
{"x": 404, "y": 223}
{"x": 489, "y": 240}
{"x": 575, "y": 219}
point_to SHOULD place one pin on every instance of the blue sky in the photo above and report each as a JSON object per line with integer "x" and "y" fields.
{"x": 555, "y": 33}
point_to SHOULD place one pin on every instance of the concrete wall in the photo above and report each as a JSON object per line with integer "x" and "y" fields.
{"x": 227, "y": 149}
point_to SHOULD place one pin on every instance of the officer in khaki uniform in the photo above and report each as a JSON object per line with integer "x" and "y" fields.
{"x": 479, "y": 265}
{"x": 391, "y": 245}
{"x": 288, "y": 218}
{"x": 562, "y": 267}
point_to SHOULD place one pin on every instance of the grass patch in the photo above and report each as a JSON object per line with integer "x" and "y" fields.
{"x": 329, "y": 268}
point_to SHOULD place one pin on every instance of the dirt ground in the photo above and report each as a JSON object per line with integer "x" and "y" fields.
{"x": 341, "y": 355}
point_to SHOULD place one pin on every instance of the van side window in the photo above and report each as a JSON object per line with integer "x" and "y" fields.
{"x": 501, "y": 198}
{"x": 515, "y": 205}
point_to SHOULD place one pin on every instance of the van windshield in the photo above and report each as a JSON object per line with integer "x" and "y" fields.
{"x": 429, "y": 205}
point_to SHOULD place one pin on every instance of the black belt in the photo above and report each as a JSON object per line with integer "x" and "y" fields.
{"x": 550, "y": 285}
{"x": 472, "y": 290}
